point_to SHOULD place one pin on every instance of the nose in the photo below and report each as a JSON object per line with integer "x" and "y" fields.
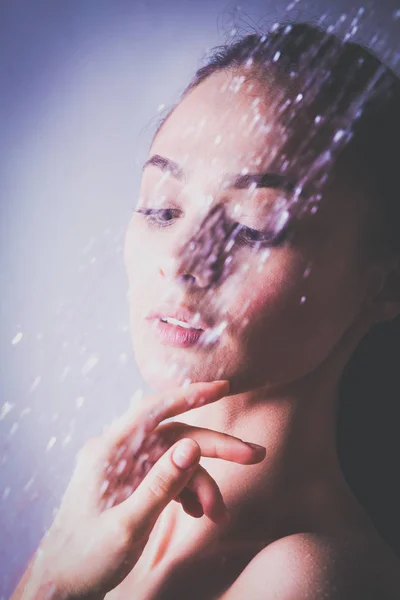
{"x": 205, "y": 259}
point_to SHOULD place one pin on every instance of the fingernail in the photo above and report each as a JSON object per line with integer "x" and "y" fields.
{"x": 226, "y": 385}
{"x": 254, "y": 446}
{"x": 185, "y": 454}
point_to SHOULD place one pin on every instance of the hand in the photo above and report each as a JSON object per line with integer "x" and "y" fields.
{"x": 122, "y": 482}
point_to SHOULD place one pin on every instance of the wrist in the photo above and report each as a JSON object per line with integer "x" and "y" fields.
{"x": 41, "y": 582}
{"x": 46, "y": 589}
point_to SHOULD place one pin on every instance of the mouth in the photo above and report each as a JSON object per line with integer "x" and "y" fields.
{"x": 178, "y": 323}
{"x": 180, "y": 316}
{"x": 173, "y": 332}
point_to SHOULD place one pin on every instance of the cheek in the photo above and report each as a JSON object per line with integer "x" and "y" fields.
{"x": 265, "y": 290}
{"x": 286, "y": 324}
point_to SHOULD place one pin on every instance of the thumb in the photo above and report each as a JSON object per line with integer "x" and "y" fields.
{"x": 165, "y": 480}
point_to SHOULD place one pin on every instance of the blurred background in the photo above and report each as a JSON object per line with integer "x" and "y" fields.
{"x": 83, "y": 84}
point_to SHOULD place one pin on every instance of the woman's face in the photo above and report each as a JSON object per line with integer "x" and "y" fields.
{"x": 272, "y": 310}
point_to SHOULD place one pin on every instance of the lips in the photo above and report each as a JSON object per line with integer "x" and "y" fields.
{"x": 190, "y": 319}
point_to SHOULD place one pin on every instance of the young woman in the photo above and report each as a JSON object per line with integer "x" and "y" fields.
{"x": 264, "y": 247}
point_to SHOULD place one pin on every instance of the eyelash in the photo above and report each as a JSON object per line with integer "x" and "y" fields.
{"x": 263, "y": 238}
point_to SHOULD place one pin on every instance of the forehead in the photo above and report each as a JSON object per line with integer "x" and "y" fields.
{"x": 229, "y": 122}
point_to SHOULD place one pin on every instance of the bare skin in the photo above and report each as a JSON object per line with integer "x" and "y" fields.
{"x": 289, "y": 317}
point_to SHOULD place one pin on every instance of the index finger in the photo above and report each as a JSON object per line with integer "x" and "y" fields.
{"x": 165, "y": 405}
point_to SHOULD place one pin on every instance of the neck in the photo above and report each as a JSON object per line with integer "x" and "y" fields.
{"x": 295, "y": 422}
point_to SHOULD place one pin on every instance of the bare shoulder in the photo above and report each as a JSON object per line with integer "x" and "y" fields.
{"x": 313, "y": 566}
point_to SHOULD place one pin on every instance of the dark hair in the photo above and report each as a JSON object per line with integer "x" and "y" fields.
{"x": 356, "y": 99}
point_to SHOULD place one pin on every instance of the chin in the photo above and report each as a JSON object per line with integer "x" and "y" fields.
{"x": 166, "y": 372}
{"x": 162, "y": 372}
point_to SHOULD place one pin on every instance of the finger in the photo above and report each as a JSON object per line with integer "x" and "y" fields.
{"x": 164, "y": 406}
{"x": 214, "y": 444}
{"x": 190, "y": 504}
{"x": 163, "y": 483}
{"x": 208, "y": 494}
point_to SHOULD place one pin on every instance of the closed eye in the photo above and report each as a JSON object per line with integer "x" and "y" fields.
{"x": 259, "y": 238}
{"x": 242, "y": 235}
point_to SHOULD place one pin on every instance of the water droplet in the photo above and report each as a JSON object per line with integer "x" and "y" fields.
{"x": 7, "y": 407}
{"x": 104, "y": 487}
{"x": 220, "y": 372}
{"x": 276, "y": 57}
{"x": 303, "y": 299}
{"x": 338, "y": 135}
{"x": 229, "y": 245}
{"x": 89, "y": 365}
{"x": 79, "y": 401}
{"x": 121, "y": 466}
{"x": 218, "y": 140}
{"x": 14, "y": 428}
{"x": 17, "y": 339}
{"x": 51, "y": 443}
{"x": 396, "y": 14}
{"x": 35, "y": 384}
{"x": 299, "y": 98}
{"x": 28, "y": 484}
{"x": 65, "y": 372}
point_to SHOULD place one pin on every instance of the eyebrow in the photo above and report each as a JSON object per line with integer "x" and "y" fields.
{"x": 236, "y": 182}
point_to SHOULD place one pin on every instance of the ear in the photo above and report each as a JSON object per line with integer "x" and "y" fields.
{"x": 385, "y": 304}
